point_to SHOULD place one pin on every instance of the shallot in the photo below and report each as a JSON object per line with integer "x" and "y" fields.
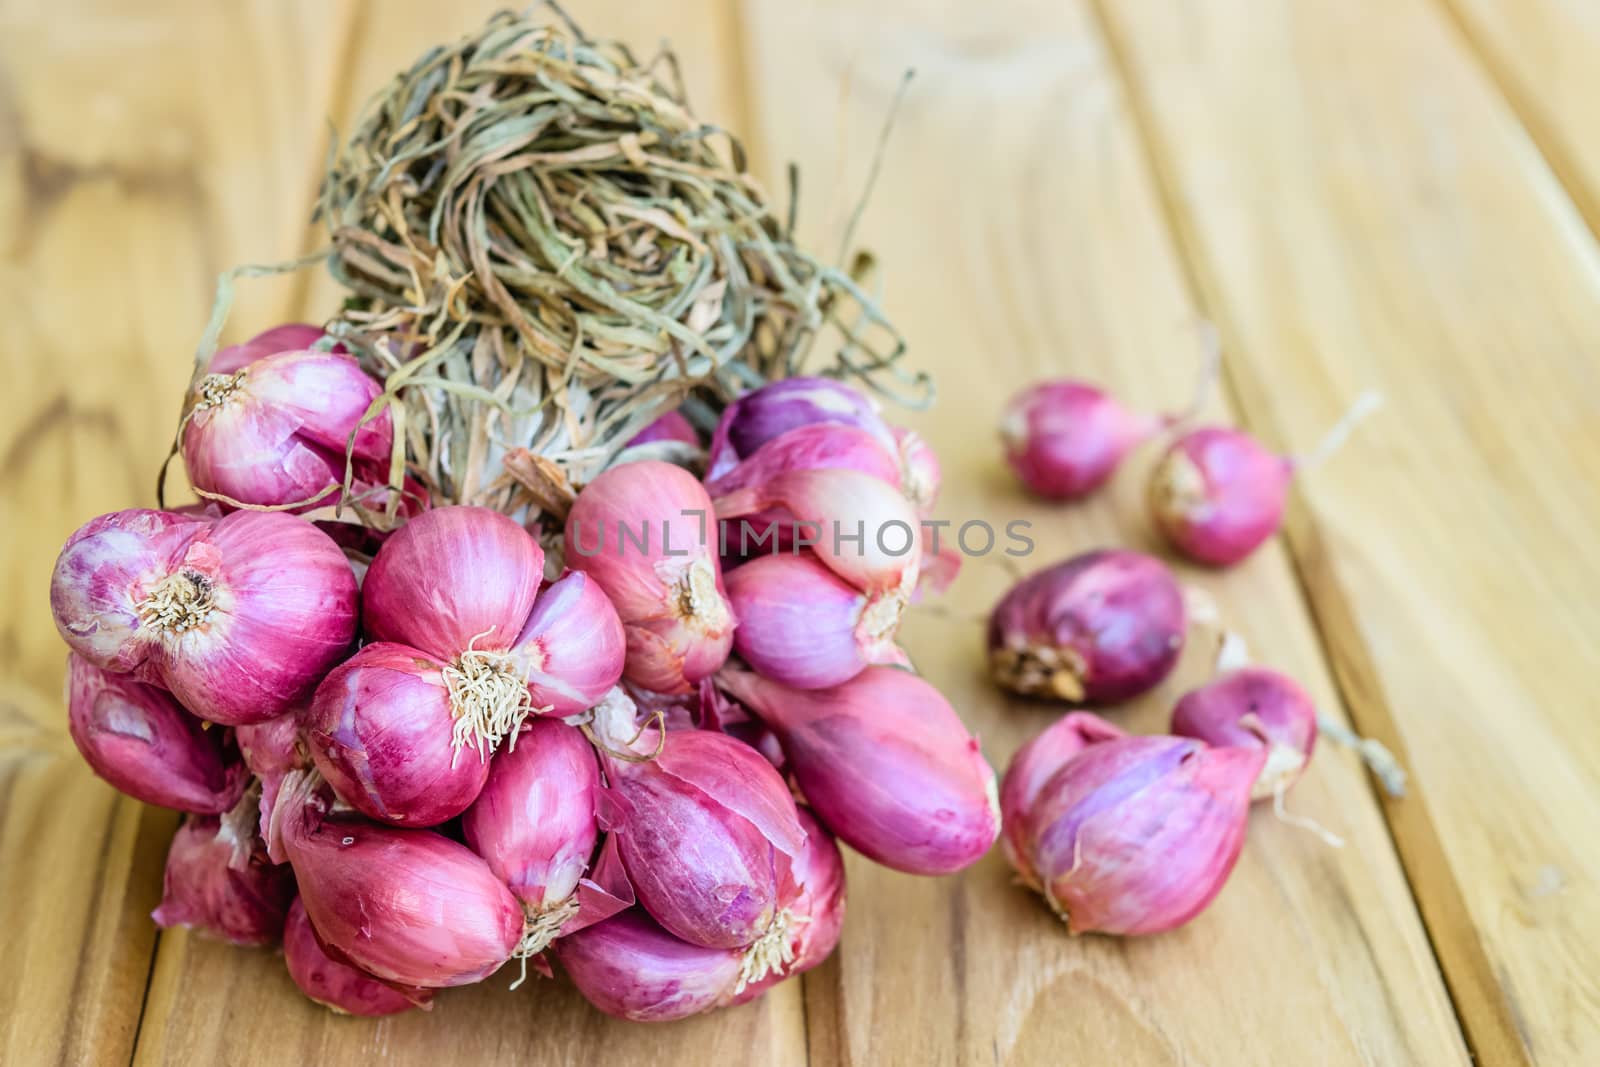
{"x": 628, "y": 966}
{"x": 139, "y": 739}
{"x": 1218, "y": 493}
{"x": 644, "y": 533}
{"x": 238, "y": 618}
{"x": 1136, "y": 835}
{"x": 1034, "y": 764}
{"x": 1100, "y": 627}
{"x": 337, "y": 986}
{"x": 218, "y": 880}
{"x": 407, "y": 906}
{"x": 886, "y": 765}
{"x": 672, "y": 426}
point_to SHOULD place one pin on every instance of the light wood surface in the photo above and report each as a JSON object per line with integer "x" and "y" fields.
{"x": 1344, "y": 186}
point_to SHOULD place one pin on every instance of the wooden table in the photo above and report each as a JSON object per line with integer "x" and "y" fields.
{"x": 1400, "y": 194}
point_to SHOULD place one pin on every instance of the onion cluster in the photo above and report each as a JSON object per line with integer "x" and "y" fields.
{"x": 413, "y": 767}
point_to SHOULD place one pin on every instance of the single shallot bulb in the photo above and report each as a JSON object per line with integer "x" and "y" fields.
{"x": 571, "y": 649}
{"x": 629, "y": 967}
{"x": 407, "y": 906}
{"x": 339, "y": 987}
{"x": 1065, "y": 438}
{"x": 455, "y": 586}
{"x": 1101, "y": 627}
{"x": 238, "y": 618}
{"x": 885, "y": 763}
{"x": 672, "y": 426}
{"x": 644, "y": 532}
{"x": 139, "y": 739}
{"x": 534, "y": 824}
{"x": 381, "y": 729}
{"x": 1254, "y": 707}
{"x": 218, "y": 880}
{"x": 1035, "y": 764}
{"x": 1137, "y": 835}
{"x": 1218, "y": 493}
{"x": 803, "y": 625}
{"x": 276, "y": 430}
{"x": 708, "y": 833}
{"x": 818, "y": 910}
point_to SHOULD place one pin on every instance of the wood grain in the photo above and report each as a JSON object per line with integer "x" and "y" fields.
{"x": 1362, "y": 209}
{"x": 1022, "y": 236}
{"x": 140, "y": 156}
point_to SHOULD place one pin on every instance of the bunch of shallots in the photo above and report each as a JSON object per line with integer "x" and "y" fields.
{"x": 414, "y": 766}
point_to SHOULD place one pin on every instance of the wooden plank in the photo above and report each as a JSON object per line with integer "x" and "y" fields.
{"x": 1542, "y": 52}
{"x": 1022, "y": 236}
{"x": 137, "y": 157}
{"x": 211, "y": 1003}
{"x": 1363, "y": 209}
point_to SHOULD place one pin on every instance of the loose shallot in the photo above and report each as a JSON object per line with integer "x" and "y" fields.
{"x": 238, "y": 618}
{"x": 1034, "y": 764}
{"x": 1136, "y": 835}
{"x": 1100, "y": 627}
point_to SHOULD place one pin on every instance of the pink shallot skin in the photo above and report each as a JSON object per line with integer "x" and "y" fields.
{"x": 140, "y": 740}
{"x": 381, "y": 731}
{"x": 1137, "y": 835}
{"x": 218, "y": 882}
{"x": 1254, "y": 707}
{"x": 1217, "y": 494}
{"x": 572, "y": 648}
{"x": 777, "y": 408}
{"x": 1064, "y": 439}
{"x": 1101, "y": 627}
{"x": 276, "y": 430}
{"x": 803, "y": 625}
{"x": 708, "y": 833}
{"x": 407, "y": 906}
{"x": 646, "y": 534}
{"x": 272, "y": 749}
{"x": 1034, "y": 764}
{"x": 337, "y": 986}
{"x": 885, "y": 763}
{"x": 239, "y": 618}
{"x": 290, "y": 337}
{"x": 672, "y": 426}
{"x": 534, "y": 821}
{"x": 629, "y": 967}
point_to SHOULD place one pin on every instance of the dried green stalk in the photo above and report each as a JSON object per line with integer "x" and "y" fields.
{"x": 546, "y": 250}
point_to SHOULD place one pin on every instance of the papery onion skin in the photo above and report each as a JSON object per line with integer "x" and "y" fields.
{"x": 672, "y": 426}
{"x": 707, "y": 832}
{"x": 629, "y": 967}
{"x": 1064, "y": 439}
{"x": 819, "y": 909}
{"x": 451, "y": 578}
{"x": 886, "y": 764}
{"x": 272, "y": 749}
{"x": 778, "y": 407}
{"x": 381, "y": 731}
{"x": 1217, "y": 494}
{"x": 1254, "y": 707}
{"x": 239, "y": 619}
{"x": 534, "y": 822}
{"x": 1138, "y": 835}
{"x": 1100, "y": 627}
{"x": 645, "y": 533}
{"x": 275, "y": 431}
{"x": 822, "y": 446}
{"x": 802, "y": 625}
{"x": 408, "y": 906}
{"x": 1034, "y": 764}
{"x": 337, "y": 986}
{"x": 138, "y": 738}
{"x": 104, "y": 572}
{"x": 218, "y": 882}
{"x": 921, "y": 474}
{"x": 290, "y": 337}
{"x": 573, "y": 646}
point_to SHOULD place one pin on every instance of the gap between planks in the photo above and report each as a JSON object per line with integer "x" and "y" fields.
{"x": 1482, "y": 1012}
